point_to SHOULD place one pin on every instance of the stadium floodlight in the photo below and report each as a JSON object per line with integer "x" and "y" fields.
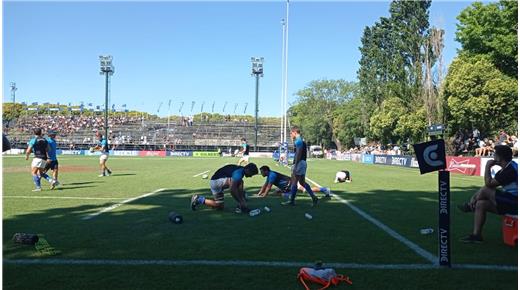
{"x": 257, "y": 70}
{"x": 13, "y": 91}
{"x": 107, "y": 69}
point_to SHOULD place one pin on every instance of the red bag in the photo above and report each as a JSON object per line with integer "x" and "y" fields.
{"x": 323, "y": 276}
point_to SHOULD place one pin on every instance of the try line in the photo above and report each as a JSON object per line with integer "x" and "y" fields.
{"x": 245, "y": 263}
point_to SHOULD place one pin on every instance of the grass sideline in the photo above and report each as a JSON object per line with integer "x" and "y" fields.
{"x": 139, "y": 230}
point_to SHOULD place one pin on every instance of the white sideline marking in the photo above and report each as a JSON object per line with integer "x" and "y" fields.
{"x": 420, "y": 251}
{"x": 127, "y": 262}
{"x": 61, "y": 197}
{"x": 201, "y": 173}
{"x": 92, "y": 215}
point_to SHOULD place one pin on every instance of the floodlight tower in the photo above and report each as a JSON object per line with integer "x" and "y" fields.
{"x": 13, "y": 91}
{"x": 107, "y": 69}
{"x": 257, "y": 72}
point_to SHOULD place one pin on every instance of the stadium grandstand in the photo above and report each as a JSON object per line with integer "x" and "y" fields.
{"x": 140, "y": 131}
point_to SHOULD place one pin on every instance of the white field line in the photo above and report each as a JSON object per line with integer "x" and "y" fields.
{"x": 106, "y": 209}
{"x": 420, "y": 251}
{"x": 201, "y": 173}
{"x": 62, "y": 197}
{"x": 220, "y": 263}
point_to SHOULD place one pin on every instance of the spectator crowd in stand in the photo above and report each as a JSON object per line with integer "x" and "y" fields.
{"x": 465, "y": 143}
{"x": 68, "y": 125}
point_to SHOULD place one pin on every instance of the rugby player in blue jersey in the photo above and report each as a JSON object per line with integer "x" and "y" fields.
{"x": 283, "y": 182}
{"x": 299, "y": 168}
{"x": 52, "y": 163}
{"x": 102, "y": 146}
{"x": 229, "y": 176}
{"x": 40, "y": 147}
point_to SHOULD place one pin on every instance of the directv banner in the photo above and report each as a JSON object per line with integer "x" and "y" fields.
{"x": 368, "y": 158}
{"x": 180, "y": 153}
{"x": 206, "y": 154}
{"x": 394, "y": 160}
{"x": 70, "y": 152}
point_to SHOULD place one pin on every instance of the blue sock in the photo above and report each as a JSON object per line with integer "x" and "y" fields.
{"x": 323, "y": 189}
{"x": 36, "y": 180}
{"x": 201, "y": 199}
{"x": 309, "y": 190}
{"x": 44, "y": 175}
{"x": 294, "y": 189}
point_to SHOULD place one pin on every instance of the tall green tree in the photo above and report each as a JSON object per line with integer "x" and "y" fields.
{"x": 315, "y": 107}
{"x": 491, "y": 29}
{"x": 480, "y": 96}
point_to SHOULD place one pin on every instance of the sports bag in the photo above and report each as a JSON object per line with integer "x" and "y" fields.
{"x": 323, "y": 276}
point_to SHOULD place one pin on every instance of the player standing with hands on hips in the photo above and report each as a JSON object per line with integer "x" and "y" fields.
{"x": 299, "y": 168}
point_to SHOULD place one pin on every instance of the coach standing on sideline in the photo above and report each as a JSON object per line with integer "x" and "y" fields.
{"x": 40, "y": 147}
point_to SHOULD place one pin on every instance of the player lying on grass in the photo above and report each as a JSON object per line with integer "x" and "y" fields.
{"x": 283, "y": 182}
{"x": 343, "y": 176}
{"x": 229, "y": 176}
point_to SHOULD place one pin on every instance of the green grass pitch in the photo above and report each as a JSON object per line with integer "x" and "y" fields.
{"x": 140, "y": 231}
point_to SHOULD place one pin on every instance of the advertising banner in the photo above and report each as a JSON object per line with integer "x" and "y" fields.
{"x": 355, "y": 157}
{"x": 463, "y": 165}
{"x": 368, "y": 158}
{"x": 206, "y": 154}
{"x": 126, "y": 153}
{"x": 380, "y": 159}
{"x": 180, "y": 153}
{"x": 152, "y": 153}
{"x": 70, "y": 152}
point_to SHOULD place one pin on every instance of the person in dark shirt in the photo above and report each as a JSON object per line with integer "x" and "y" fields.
{"x": 40, "y": 147}
{"x": 490, "y": 198}
{"x": 299, "y": 168}
{"x": 229, "y": 176}
{"x": 283, "y": 182}
{"x": 244, "y": 149}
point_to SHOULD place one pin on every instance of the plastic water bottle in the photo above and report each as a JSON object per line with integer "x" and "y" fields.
{"x": 254, "y": 212}
{"x": 308, "y": 216}
{"x": 267, "y": 209}
{"x": 426, "y": 231}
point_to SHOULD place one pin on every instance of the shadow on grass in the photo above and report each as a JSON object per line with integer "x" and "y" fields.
{"x": 121, "y": 174}
{"x": 67, "y": 187}
{"x": 141, "y": 229}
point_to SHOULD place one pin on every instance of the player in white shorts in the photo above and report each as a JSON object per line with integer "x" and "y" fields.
{"x": 102, "y": 146}
{"x": 229, "y": 176}
{"x": 40, "y": 147}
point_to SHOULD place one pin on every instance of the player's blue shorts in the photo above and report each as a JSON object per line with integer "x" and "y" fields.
{"x": 300, "y": 168}
{"x": 52, "y": 165}
{"x": 506, "y": 202}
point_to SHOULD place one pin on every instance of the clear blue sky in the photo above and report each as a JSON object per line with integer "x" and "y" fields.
{"x": 186, "y": 51}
